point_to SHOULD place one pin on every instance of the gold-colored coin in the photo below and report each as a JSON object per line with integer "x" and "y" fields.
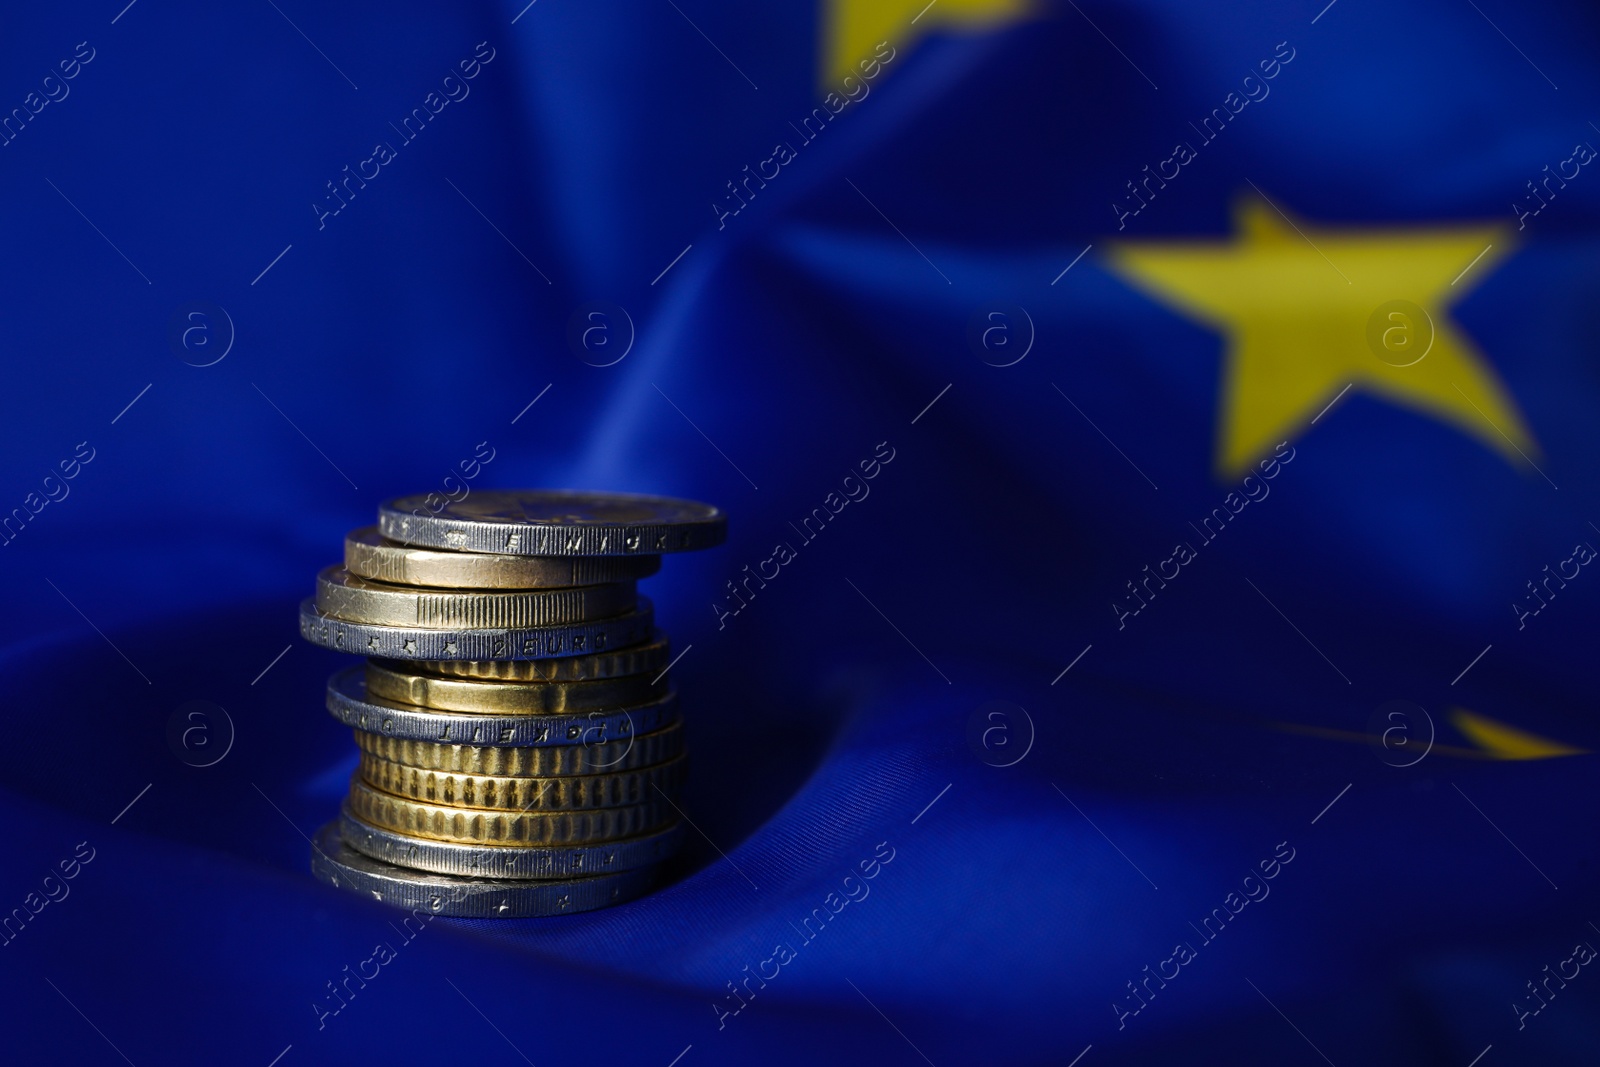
{"x": 368, "y": 554}
{"x": 437, "y": 822}
{"x": 544, "y": 761}
{"x": 651, "y": 659}
{"x": 400, "y": 682}
{"x": 345, "y": 596}
{"x": 494, "y": 792}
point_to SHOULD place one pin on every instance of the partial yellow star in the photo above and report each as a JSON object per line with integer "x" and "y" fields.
{"x": 1308, "y": 311}
{"x": 1507, "y": 742}
{"x": 851, "y": 29}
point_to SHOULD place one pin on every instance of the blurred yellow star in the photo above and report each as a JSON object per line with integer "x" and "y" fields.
{"x": 851, "y": 29}
{"x": 1504, "y": 741}
{"x": 1308, "y": 312}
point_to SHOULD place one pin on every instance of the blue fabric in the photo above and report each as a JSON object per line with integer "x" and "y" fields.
{"x": 838, "y": 717}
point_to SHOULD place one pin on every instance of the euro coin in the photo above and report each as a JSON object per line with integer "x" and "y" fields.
{"x": 494, "y": 861}
{"x": 649, "y": 658}
{"x": 350, "y": 703}
{"x": 336, "y": 863}
{"x": 525, "y": 643}
{"x": 368, "y": 554}
{"x": 598, "y": 757}
{"x": 393, "y": 681}
{"x": 550, "y": 522}
{"x": 493, "y": 792}
{"x": 347, "y": 596}
{"x": 475, "y": 826}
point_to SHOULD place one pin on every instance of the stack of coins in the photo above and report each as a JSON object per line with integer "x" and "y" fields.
{"x": 520, "y": 748}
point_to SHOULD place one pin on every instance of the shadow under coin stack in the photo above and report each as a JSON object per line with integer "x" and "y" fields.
{"x": 521, "y": 750}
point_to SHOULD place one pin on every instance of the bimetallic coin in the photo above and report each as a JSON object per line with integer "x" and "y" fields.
{"x": 351, "y": 704}
{"x": 578, "y": 792}
{"x": 651, "y": 659}
{"x": 623, "y": 754}
{"x": 414, "y": 643}
{"x": 474, "y": 826}
{"x": 343, "y": 594}
{"x": 367, "y": 554}
{"x": 491, "y": 861}
{"x": 335, "y": 862}
{"x": 393, "y": 681}
{"x": 546, "y": 522}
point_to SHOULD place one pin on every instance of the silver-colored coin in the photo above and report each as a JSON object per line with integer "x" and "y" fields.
{"x": 351, "y": 704}
{"x": 492, "y": 861}
{"x": 403, "y": 684}
{"x": 546, "y": 522}
{"x": 649, "y": 658}
{"x": 623, "y": 753}
{"x": 413, "y": 643}
{"x": 335, "y": 862}
{"x": 348, "y": 596}
{"x": 370, "y": 555}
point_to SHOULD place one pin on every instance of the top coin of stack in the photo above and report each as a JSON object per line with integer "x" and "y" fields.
{"x": 520, "y": 745}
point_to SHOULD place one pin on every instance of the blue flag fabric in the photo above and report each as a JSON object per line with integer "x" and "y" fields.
{"x": 1127, "y": 648}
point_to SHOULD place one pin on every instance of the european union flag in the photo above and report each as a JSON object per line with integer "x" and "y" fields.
{"x": 1158, "y": 617}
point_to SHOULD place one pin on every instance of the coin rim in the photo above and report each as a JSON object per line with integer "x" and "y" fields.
{"x": 665, "y": 776}
{"x": 524, "y": 670}
{"x": 354, "y": 710}
{"x": 337, "y": 863}
{"x": 389, "y": 642}
{"x": 555, "y": 539}
{"x": 376, "y": 603}
{"x": 652, "y": 814}
{"x": 448, "y": 857}
{"x": 672, "y": 747}
{"x": 479, "y": 696}
{"x": 415, "y": 565}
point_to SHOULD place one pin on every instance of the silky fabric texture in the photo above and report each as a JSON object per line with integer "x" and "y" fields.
{"x": 1107, "y": 892}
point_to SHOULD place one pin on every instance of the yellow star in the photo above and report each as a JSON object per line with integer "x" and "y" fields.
{"x": 853, "y": 28}
{"x": 1502, "y": 741}
{"x": 1308, "y": 312}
